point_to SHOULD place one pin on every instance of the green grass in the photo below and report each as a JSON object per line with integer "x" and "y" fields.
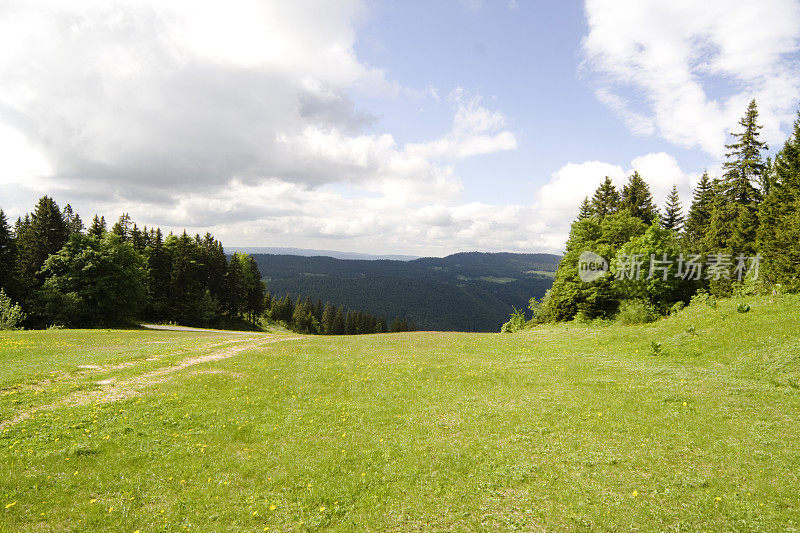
{"x": 568, "y": 427}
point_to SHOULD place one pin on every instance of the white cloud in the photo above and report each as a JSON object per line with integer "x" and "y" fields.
{"x": 557, "y": 201}
{"x": 696, "y": 64}
{"x": 234, "y": 118}
{"x": 476, "y": 130}
{"x": 661, "y": 171}
{"x": 636, "y": 122}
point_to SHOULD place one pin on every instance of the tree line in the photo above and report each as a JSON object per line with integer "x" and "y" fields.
{"x": 745, "y": 221}
{"x": 62, "y": 273}
{"x": 304, "y": 316}
{"x": 56, "y": 271}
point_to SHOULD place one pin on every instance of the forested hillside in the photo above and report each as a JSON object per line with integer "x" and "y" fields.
{"x": 465, "y": 292}
{"x": 741, "y": 235}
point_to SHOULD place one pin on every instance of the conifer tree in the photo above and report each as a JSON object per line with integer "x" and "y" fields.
{"x": 41, "y": 235}
{"x": 585, "y": 209}
{"x": 7, "y": 256}
{"x": 637, "y": 200}
{"x": 328, "y": 322}
{"x": 778, "y": 235}
{"x": 350, "y": 323}
{"x": 72, "y": 220}
{"x": 159, "y": 269}
{"x": 700, "y": 212}
{"x": 122, "y": 227}
{"x": 255, "y": 289}
{"x": 215, "y": 265}
{"x": 98, "y": 226}
{"x": 745, "y": 165}
{"x": 606, "y": 199}
{"x": 137, "y": 238}
{"x": 673, "y": 212}
{"x": 339, "y": 321}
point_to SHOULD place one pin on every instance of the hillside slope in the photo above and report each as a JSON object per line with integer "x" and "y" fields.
{"x": 462, "y": 292}
{"x": 559, "y": 428}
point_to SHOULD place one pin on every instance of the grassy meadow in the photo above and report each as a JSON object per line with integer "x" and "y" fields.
{"x": 558, "y": 428}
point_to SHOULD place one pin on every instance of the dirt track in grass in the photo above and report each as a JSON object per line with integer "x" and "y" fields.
{"x": 112, "y": 390}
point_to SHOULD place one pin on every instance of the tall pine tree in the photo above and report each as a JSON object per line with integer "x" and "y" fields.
{"x": 7, "y": 256}
{"x": 779, "y": 224}
{"x": 734, "y": 220}
{"x": 606, "y": 199}
{"x": 98, "y": 227}
{"x": 699, "y": 213}
{"x": 673, "y": 212}
{"x": 72, "y": 220}
{"x": 637, "y": 200}
{"x": 585, "y": 210}
{"x": 745, "y": 167}
{"x": 41, "y": 235}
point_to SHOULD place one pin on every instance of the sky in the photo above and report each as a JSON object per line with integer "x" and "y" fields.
{"x": 376, "y": 126}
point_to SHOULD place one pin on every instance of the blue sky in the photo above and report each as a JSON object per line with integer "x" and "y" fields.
{"x": 375, "y": 126}
{"x": 525, "y": 60}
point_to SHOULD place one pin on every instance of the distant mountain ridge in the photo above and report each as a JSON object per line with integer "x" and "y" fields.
{"x": 304, "y": 252}
{"x": 469, "y": 291}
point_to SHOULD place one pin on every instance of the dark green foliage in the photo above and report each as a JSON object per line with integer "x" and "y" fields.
{"x": 673, "y": 212}
{"x": 123, "y": 227}
{"x": 400, "y": 325}
{"x": 699, "y": 217}
{"x": 303, "y": 319}
{"x": 72, "y": 221}
{"x": 98, "y": 226}
{"x": 637, "y": 200}
{"x": 733, "y": 224}
{"x": 7, "y": 256}
{"x": 606, "y": 199}
{"x": 585, "y": 210}
{"x": 731, "y": 229}
{"x": 67, "y": 277}
{"x": 243, "y": 288}
{"x": 327, "y": 324}
{"x": 338, "y": 322}
{"x": 464, "y": 292}
{"x": 745, "y": 167}
{"x": 282, "y": 309}
{"x": 159, "y": 269}
{"x": 753, "y": 212}
{"x": 105, "y": 278}
{"x": 303, "y": 316}
{"x": 138, "y": 239}
{"x": 37, "y": 237}
{"x": 660, "y": 285}
{"x": 599, "y": 298}
{"x": 779, "y": 220}
{"x": 93, "y": 281}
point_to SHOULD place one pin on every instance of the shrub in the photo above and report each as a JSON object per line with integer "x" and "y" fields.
{"x": 11, "y": 314}
{"x": 515, "y": 322}
{"x": 677, "y": 308}
{"x": 636, "y": 311}
{"x": 661, "y": 288}
{"x": 655, "y": 347}
{"x": 702, "y": 297}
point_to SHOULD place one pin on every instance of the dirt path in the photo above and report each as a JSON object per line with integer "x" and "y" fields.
{"x": 112, "y": 390}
